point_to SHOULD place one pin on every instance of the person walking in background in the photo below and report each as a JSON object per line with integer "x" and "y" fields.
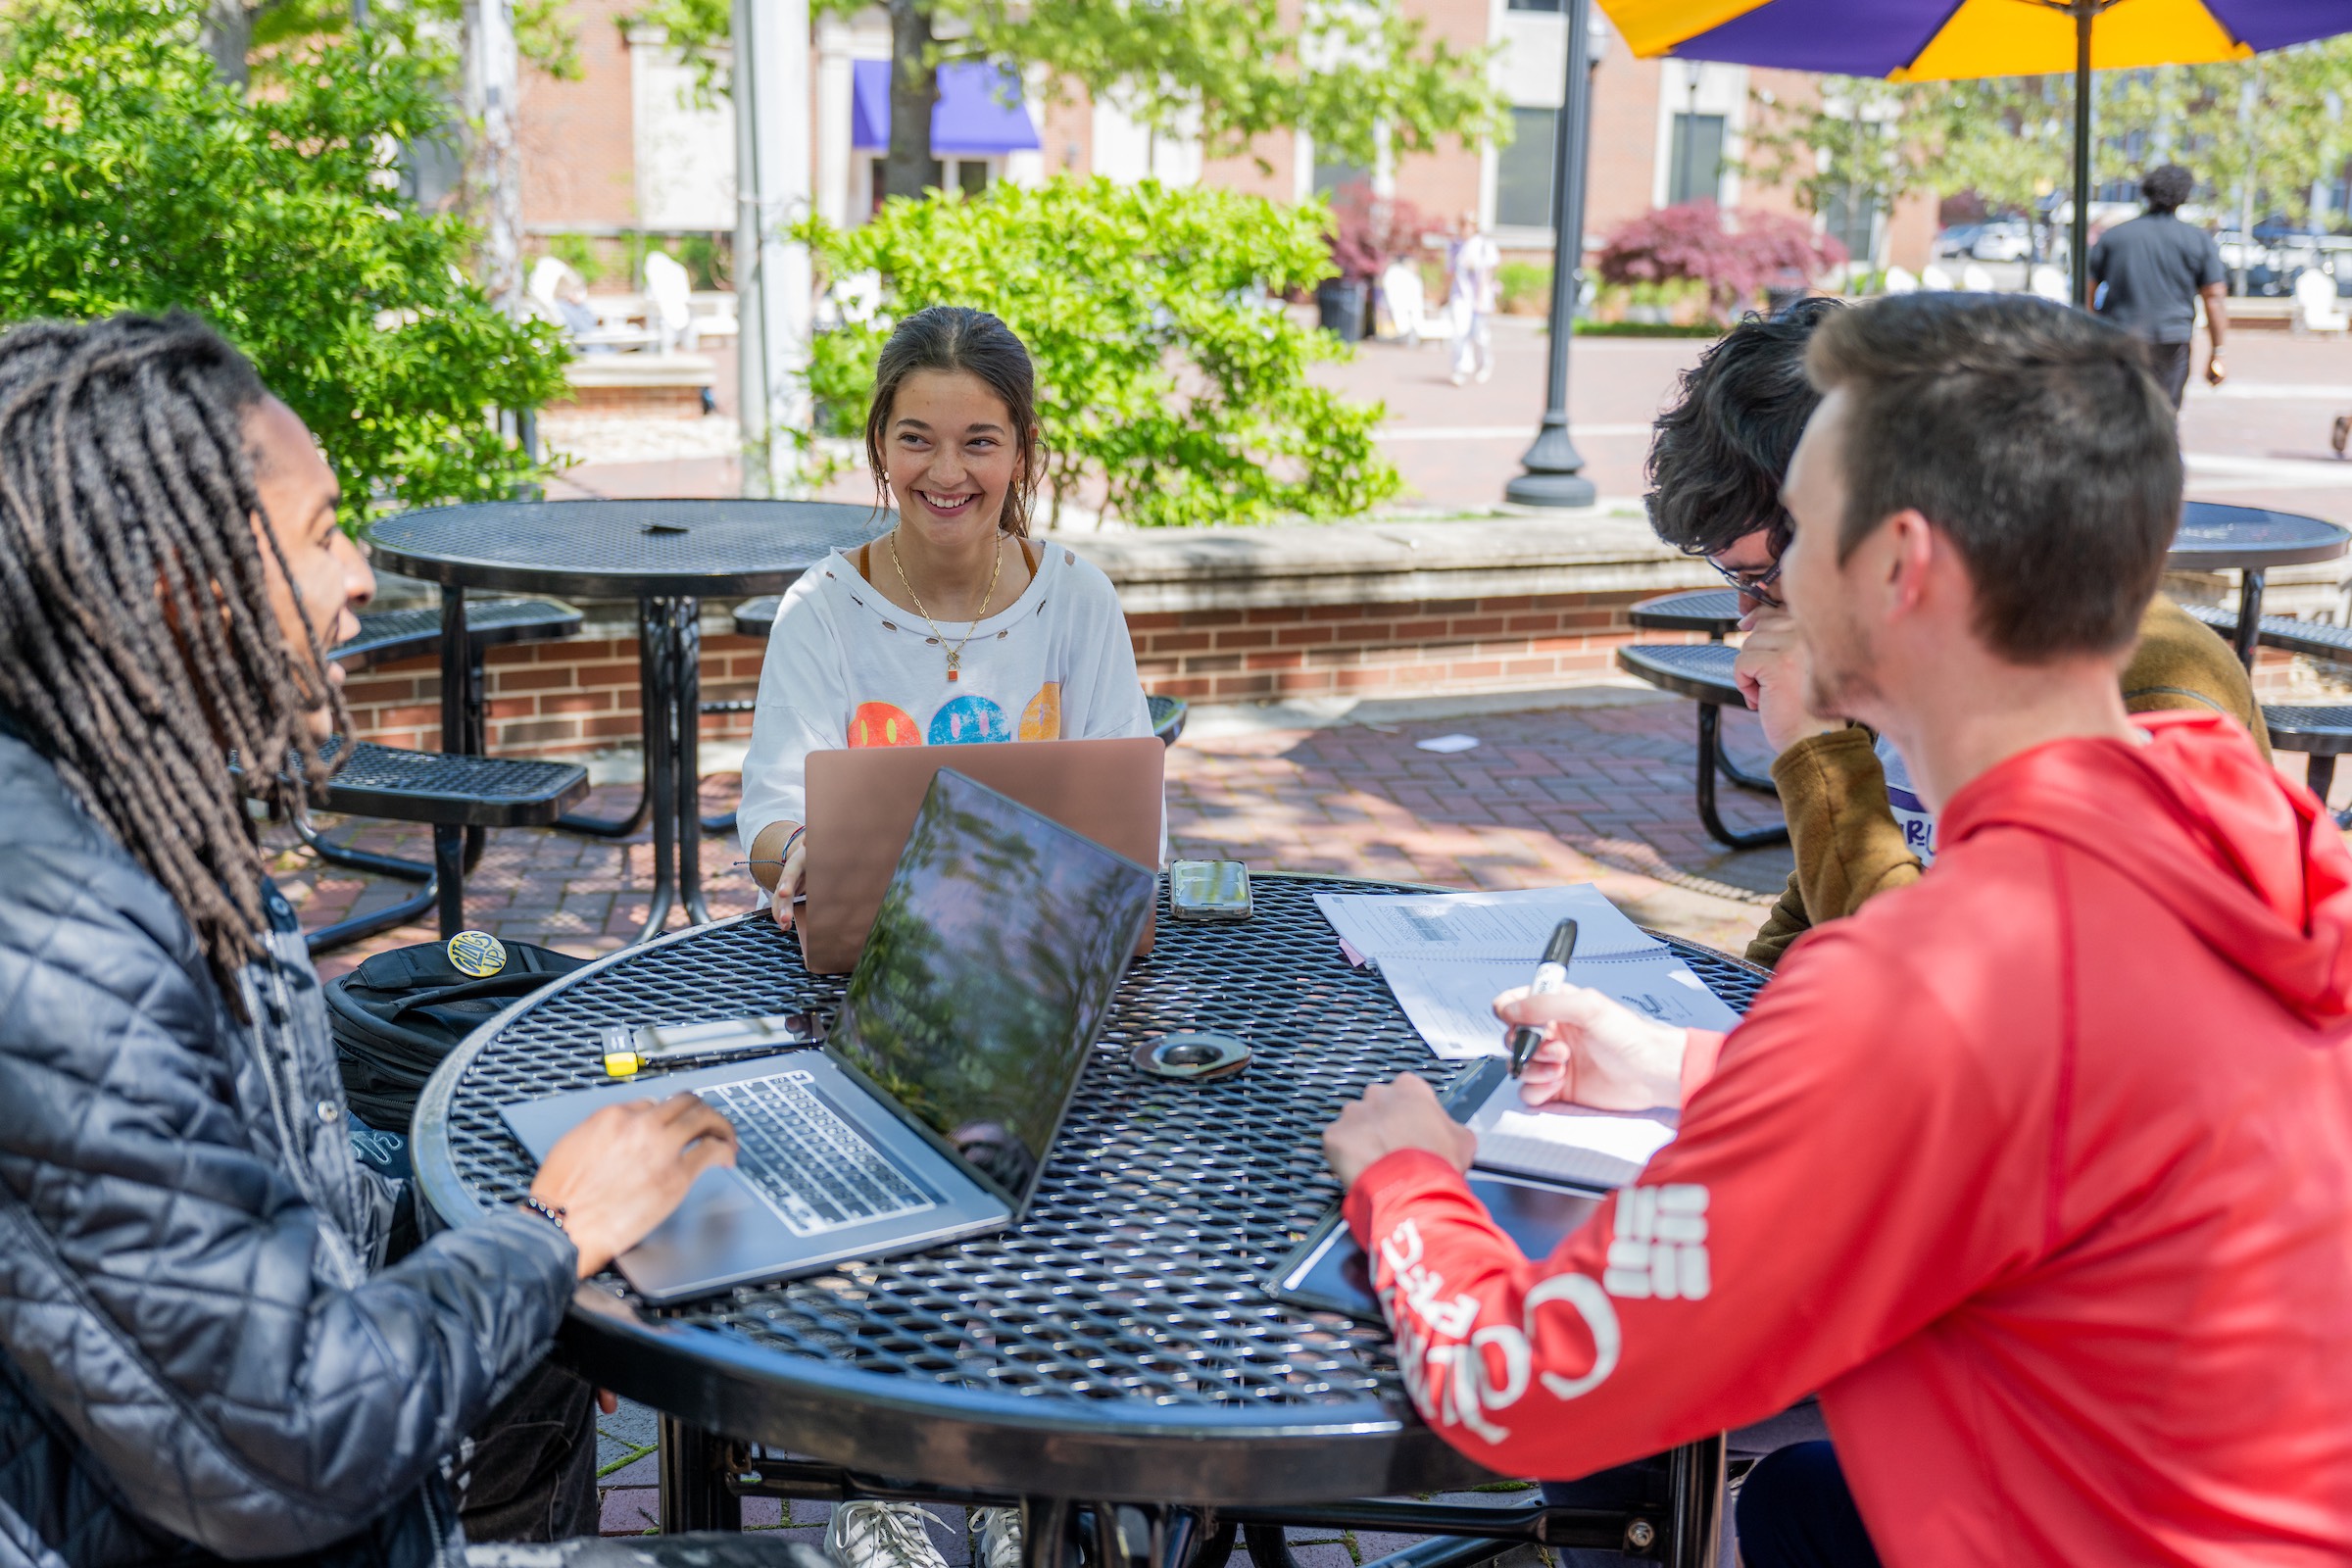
{"x": 1472, "y": 264}
{"x": 2154, "y": 269}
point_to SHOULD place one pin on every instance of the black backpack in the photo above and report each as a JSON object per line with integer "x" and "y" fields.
{"x": 400, "y": 1012}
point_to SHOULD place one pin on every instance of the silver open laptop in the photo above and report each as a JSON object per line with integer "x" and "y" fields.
{"x": 929, "y": 1113}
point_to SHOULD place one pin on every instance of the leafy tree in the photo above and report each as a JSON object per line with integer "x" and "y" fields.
{"x": 1847, "y": 145}
{"x": 1223, "y": 70}
{"x": 133, "y": 178}
{"x": 1167, "y": 381}
{"x": 2258, "y": 132}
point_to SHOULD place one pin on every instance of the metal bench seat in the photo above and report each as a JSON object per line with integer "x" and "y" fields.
{"x": 2315, "y": 638}
{"x": 1702, "y": 671}
{"x": 2320, "y": 731}
{"x": 457, "y": 796}
{"x": 1713, "y": 610}
{"x": 389, "y": 635}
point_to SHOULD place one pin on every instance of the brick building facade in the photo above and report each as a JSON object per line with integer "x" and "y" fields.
{"x": 624, "y": 149}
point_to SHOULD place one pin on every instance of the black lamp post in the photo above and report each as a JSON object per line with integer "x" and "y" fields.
{"x": 1554, "y": 475}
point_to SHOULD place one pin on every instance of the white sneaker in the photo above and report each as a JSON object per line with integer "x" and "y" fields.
{"x": 1000, "y": 1532}
{"x": 881, "y": 1535}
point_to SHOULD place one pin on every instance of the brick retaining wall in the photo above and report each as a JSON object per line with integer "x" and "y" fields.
{"x": 1396, "y": 609}
{"x": 567, "y": 698}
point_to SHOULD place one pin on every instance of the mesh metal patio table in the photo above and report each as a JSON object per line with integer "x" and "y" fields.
{"x": 669, "y": 556}
{"x": 1116, "y": 1348}
{"x": 2214, "y": 537}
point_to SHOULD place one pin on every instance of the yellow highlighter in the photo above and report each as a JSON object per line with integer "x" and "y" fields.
{"x": 629, "y": 1052}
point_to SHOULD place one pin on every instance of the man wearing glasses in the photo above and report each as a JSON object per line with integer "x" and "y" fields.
{"x": 1856, "y": 824}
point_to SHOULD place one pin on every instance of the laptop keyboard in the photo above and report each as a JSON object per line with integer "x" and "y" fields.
{"x": 820, "y": 1171}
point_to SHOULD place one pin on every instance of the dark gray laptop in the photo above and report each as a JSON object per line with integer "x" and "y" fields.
{"x": 928, "y": 1114}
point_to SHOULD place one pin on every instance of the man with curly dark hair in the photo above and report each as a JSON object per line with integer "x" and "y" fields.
{"x": 1857, "y": 824}
{"x": 2155, "y": 268}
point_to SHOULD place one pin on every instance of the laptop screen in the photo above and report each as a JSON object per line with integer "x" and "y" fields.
{"x": 989, "y": 973}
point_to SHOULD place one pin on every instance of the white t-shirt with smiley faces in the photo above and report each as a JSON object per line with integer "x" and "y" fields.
{"x": 847, "y": 667}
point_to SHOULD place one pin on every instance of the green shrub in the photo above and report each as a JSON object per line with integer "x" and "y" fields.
{"x": 131, "y": 179}
{"x": 1525, "y": 288}
{"x": 1163, "y": 374}
{"x": 705, "y": 258}
{"x": 577, "y": 252}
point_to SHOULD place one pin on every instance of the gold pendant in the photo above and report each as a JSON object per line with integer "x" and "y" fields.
{"x": 953, "y": 660}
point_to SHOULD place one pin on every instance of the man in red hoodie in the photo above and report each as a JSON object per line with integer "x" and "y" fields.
{"x": 2039, "y": 1171}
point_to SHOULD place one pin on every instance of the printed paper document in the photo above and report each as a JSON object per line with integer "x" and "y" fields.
{"x": 1567, "y": 1142}
{"x": 1447, "y": 956}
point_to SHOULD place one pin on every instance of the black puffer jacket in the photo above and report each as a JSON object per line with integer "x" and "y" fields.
{"x": 198, "y": 1356}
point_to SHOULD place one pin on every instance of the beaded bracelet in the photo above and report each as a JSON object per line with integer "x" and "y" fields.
{"x": 554, "y": 1217}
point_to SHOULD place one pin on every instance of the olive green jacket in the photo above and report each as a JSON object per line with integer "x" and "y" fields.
{"x": 1848, "y": 847}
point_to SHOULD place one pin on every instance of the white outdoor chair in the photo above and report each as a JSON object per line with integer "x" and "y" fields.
{"x": 2317, "y": 309}
{"x": 1936, "y": 279}
{"x": 1973, "y": 279}
{"x": 1401, "y": 289}
{"x": 2049, "y": 283}
{"x": 1899, "y": 280}
{"x": 670, "y": 292}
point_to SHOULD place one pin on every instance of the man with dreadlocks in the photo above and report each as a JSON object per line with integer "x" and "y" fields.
{"x": 203, "y": 1354}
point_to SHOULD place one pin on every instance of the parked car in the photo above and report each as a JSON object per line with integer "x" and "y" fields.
{"x": 2010, "y": 239}
{"x": 1957, "y": 241}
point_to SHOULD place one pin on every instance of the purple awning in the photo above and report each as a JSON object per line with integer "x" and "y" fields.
{"x": 979, "y": 113}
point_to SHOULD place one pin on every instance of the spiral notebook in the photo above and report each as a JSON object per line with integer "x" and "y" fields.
{"x": 1447, "y": 956}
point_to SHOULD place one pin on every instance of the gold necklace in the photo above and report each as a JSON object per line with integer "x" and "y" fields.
{"x": 954, "y": 653}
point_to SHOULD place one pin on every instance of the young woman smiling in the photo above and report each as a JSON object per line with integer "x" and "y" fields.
{"x": 955, "y": 627}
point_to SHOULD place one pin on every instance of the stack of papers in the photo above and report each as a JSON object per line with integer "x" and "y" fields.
{"x": 1567, "y": 1142}
{"x": 1447, "y": 956}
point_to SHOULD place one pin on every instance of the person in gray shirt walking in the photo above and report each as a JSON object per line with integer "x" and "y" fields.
{"x": 2154, "y": 267}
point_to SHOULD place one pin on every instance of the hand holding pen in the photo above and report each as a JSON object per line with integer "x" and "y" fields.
{"x": 1551, "y": 975}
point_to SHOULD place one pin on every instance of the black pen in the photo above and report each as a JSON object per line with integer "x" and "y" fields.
{"x": 1551, "y": 975}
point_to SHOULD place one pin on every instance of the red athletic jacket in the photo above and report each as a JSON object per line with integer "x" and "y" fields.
{"x": 2039, "y": 1171}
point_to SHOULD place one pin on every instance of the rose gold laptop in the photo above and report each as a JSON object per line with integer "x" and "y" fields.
{"x": 863, "y": 803}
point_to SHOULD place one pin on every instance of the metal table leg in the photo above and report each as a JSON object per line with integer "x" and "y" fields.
{"x": 1710, "y": 761}
{"x": 1694, "y": 1479}
{"x": 687, "y": 647}
{"x": 658, "y": 698}
{"x": 620, "y": 827}
{"x": 2248, "y": 635}
{"x": 694, "y": 1487}
{"x": 1047, "y": 1524}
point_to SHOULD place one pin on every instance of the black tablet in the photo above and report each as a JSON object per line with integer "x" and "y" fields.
{"x": 1326, "y": 1271}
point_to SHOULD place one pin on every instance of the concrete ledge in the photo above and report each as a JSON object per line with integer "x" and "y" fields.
{"x": 1404, "y": 561}
{"x": 641, "y": 369}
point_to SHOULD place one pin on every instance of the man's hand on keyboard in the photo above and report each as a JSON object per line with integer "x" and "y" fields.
{"x": 619, "y": 1173}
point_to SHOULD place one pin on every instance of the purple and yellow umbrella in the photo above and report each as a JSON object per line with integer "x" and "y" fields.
{"x": 1943, "y": 40}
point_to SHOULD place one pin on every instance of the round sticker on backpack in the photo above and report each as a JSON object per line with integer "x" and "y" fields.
{"x": 478, "y": 954}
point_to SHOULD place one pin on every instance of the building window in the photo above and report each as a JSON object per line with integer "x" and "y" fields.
{"x": 1852, "y": 219}
{"x": 1552, "y": 6}
{"x": 1331, "y": 179}
{"x": 967, "y": 174}
{"x": 1523, "y": 170}
{"x": 1696, "y": 173}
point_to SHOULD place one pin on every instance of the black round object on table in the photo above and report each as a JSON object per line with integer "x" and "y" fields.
{"x": 666, "y": 555}
{"x": 1117, "y": 1344}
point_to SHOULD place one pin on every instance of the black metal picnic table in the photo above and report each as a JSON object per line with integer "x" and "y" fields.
{"x": 2214, "y": 537}
{"x": 666, "y": 555}
{"x": 1117, "y": 1356}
